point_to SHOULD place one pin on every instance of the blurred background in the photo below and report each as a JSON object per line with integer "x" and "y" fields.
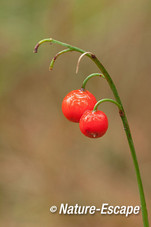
{"x": 44, "y": 158}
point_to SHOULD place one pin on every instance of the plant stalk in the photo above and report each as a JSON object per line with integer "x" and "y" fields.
{"x": 89, "y": 77}
{"x": 130, "y": 140}
{"x": 122, "y": 115}
{"x": 106, "y": 100}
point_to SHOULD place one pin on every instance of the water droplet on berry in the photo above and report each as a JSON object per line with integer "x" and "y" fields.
{"x": 94, "y": 134}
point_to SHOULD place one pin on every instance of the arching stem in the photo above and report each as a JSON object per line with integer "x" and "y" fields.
{"x": 79, "y": 60}
{"x": 122, "y": 115}
{"x": 89, "y": 77}
{"x": 50, "y": 40}
{"x": 56, "y": 56}
{"x": 129, "y": 138}
{"x": 106, "y": 100}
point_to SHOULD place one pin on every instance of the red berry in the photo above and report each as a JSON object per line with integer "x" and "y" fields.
{"x": 76, "y": 103}
{"x": 93, "y": 124}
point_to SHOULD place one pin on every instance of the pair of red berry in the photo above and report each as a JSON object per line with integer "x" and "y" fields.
{"x": 77, "y": 106}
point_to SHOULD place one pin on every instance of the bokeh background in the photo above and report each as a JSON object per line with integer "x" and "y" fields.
{"x": 44, "y": 159}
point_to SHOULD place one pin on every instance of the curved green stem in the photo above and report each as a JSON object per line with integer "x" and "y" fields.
{"x": 122, "y": 115}
{"x": 129, "y": 138}
{"x": 106, "y": 100}
{"x": 56, "y": 56}
{"x": 50, "y": 40}
{"x": 89, "y": 77}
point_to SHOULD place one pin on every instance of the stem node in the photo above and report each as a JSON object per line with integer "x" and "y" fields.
{"x": 93, "y": 56}
{"x": 121, "y": 112}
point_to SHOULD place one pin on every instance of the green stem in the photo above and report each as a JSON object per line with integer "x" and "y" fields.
{"x": 130, "y": 140}
{"x": 56, "y": 56}
{"x": 89, "y": 77}
{"x": 57, "y": 42}
{"x": 106, "y": 100}
{"x": 122, "y": 115}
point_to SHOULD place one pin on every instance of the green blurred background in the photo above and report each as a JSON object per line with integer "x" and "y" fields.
{"x": 44, "y": 159}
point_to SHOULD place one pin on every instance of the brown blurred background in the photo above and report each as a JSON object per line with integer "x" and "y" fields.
{"x": 44, "y": 159}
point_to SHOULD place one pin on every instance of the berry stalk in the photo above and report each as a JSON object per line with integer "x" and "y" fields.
{"x": 106, "y": 100}
{"x": 89, "y": 77}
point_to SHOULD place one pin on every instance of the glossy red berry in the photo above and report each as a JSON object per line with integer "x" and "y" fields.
{"x": 76, "y": 103}
{"x": 93, "y": 124}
